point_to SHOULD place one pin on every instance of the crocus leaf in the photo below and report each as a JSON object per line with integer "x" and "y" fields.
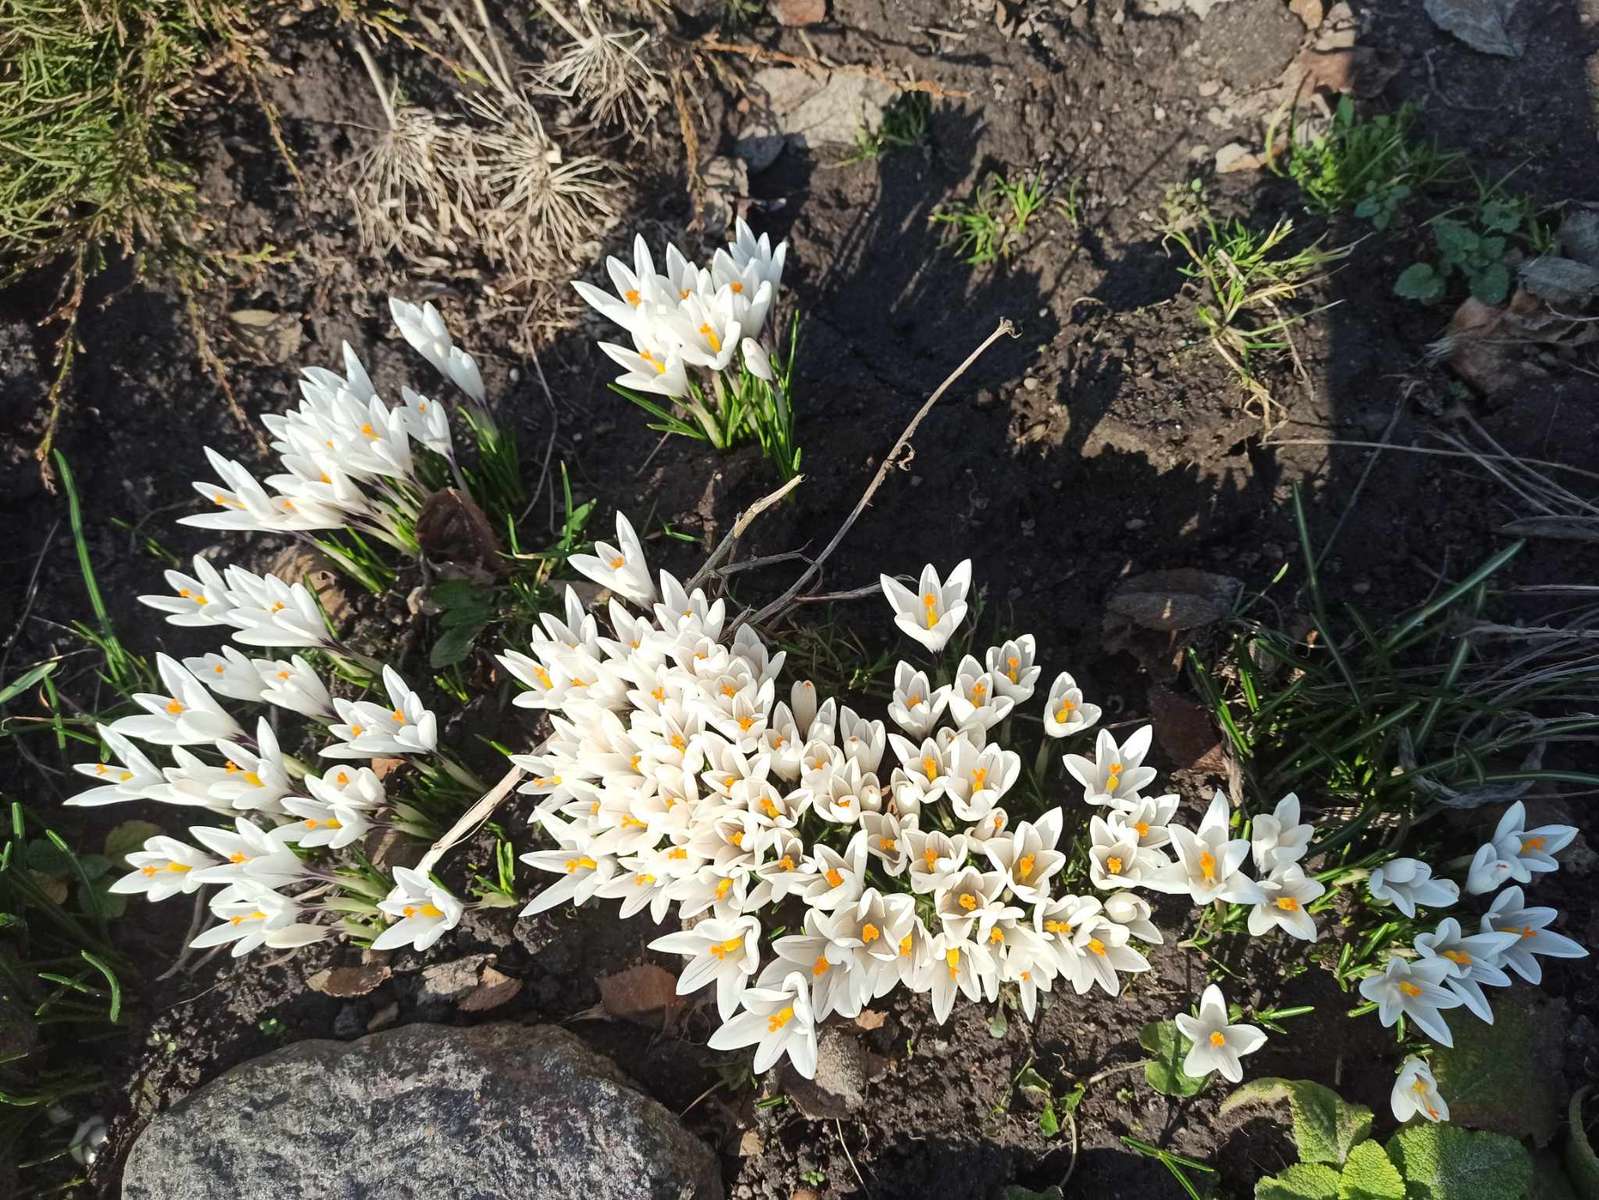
{"x": 1048, "y": 1120}
{"x": 1302, "y": 1181}
{"x": 1167, "y": 1048}
{"x": 1369, "y": 1174}
{"x": 1446, "y": 1162}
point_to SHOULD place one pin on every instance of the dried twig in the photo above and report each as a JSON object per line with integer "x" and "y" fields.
{"x": 743, "y": 522}
{"x": 1003, "y": 329}
{"x": 472, "y": 818}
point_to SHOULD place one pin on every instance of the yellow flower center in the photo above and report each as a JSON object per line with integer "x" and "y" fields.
{"x": 834, "y": 877}
{"x": 1409, "y": 988}
{"x": 967, "y": 901}
{"x": 779, "y": 1019}
{"x": 1113, "y": 865}
{"x": 1458, "y": 956}
{"x": 1207, "y": 866}
{"x": 582, "y": 862}
{"x": 1287, "y": 904}
{"x": 1097, "y": 946}
{"x": 1218, "y": 1039}
{"x": 710, "y": 336}
{"x": 870, "y": 933}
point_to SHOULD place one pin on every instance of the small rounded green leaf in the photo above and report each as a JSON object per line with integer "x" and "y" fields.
{"x": 1369, "y": 1174}
{"x": 1302, "y": 1181}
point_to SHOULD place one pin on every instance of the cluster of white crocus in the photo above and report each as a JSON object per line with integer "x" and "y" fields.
{"x": 691, "y": 317}
{"x": 676, "y": 781}
{"x": 345, "y": 454}
{"x": 1449, "y": 966}
{"x": 282, "y": 880}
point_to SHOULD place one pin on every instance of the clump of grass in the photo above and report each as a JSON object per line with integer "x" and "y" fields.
{"x": 91, "y": 97}
{"x": 1244, "y": 277}
{"x": 906, "y": 124}
{"x": 1443, "y": 707}
{"x": 1366, "y": 165}
{"x": 991, "y": 225}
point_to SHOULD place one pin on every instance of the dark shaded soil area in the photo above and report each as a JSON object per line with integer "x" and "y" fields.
{"x": 1105, "y": 440}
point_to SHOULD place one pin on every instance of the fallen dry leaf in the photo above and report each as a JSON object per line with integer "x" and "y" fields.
{"x": 1185, "y": 732}
{"x": 645, "y": 995}
{"x": 870, "y": 1019}
{"x": 1308, "y": 11}
{"x": 493, "y": 990}
{"x": 1176, "y": 600}
{"x": 1362, "y": 71}
{"x": 750, "y": 1144}
{"x": 452, "y": 528}
{"x": 345, "y": 983}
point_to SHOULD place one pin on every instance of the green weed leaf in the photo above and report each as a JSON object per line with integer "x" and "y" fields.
{"x": 1370, "y": 1175}
{"x": 1326, "y": 1127}
{"x": 1167, "y": 1048}
{"x": 1446, "y": 1162}
{"x": 1302, "y": 1181}
{"x": 1419, "y": 282}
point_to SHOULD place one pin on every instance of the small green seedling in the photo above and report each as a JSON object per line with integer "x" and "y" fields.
{"x": 1370, "y": 166}
{"x": 991, "y": 225}
{"x": 906, "y": 124}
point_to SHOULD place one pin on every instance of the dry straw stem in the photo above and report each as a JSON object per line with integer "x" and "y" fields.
{"x": 605, "y": 71}
{"x": 782, "y": 603}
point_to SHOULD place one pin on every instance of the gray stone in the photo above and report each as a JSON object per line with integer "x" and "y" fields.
{"x": 814, "y": 110}
{"x": 1485, "y": 25}
{"x": 842, "y": 1074}
{"x": 493, "y": 1112}
{"x": 1168, "y": 8}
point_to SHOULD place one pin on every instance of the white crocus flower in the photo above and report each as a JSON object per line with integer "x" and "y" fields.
{"x": 581, "y": 872}
{"x": 864, "y": 938}
{"x": 747, "y": 249}
{"x": 1114, "y": 858}
{"x": 621, "y": 567}
{"x": 1133, "y": 912}
{"x": 1148, "y": 817}
{"x": 296, "y": 686}
{"x": 931, "y": 613}
{"x": 1508, "y": 914}
{"x": 1516, "y": 853}
{"x": 248, "y": 853}
{"x": 1278, "y": 838}
{"x": 1066, "y": 712}
{"x": 228, "y": 674}
{"x": 974, "y": 699}
{"x": 422, "y": 912}
{"x": 651, "y": 366}
{"x": 1416, "y": 1091}
{"x": 756, "y": 360}
{"x": 1474, "y": 961}
{"x": 1012, "y": 666}
{"x": 1027, "y": 857}
{"x": 955, "y": 965}
{"x": 916, "y": 705}
{"x": 199, "y": 599}
{"x": 333, "y": 825}
{"x": 1116, "y": 772}
{"x": 1208, "y": 861}
{"x": 1284, "y": 896}
{"x": 254, "y": 915}
{"x": 165, "y": 867}
{"x": 776, "y": 1021}
{"x": 1407, "y": 884}
{"x": 723, "y": 952}
{"x": 1097, "y": 953}
{"x": 428, "y": 423}
{"x": 935, "y": 859}
{"x": 129, "y": 776}
{"x": 423, "y": 328}
{"x": 274, "y": 613}
{"x": 1415, "y": 990}
{"x": 1217, "y": 1045}
{"x": 187, "y": 716}
{"x": 368, "y": 729}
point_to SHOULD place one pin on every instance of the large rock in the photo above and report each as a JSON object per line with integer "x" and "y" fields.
{"x": 495, "y": 1112}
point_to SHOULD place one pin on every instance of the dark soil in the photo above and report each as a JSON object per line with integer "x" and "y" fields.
{"x": 1105, "y": 440}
